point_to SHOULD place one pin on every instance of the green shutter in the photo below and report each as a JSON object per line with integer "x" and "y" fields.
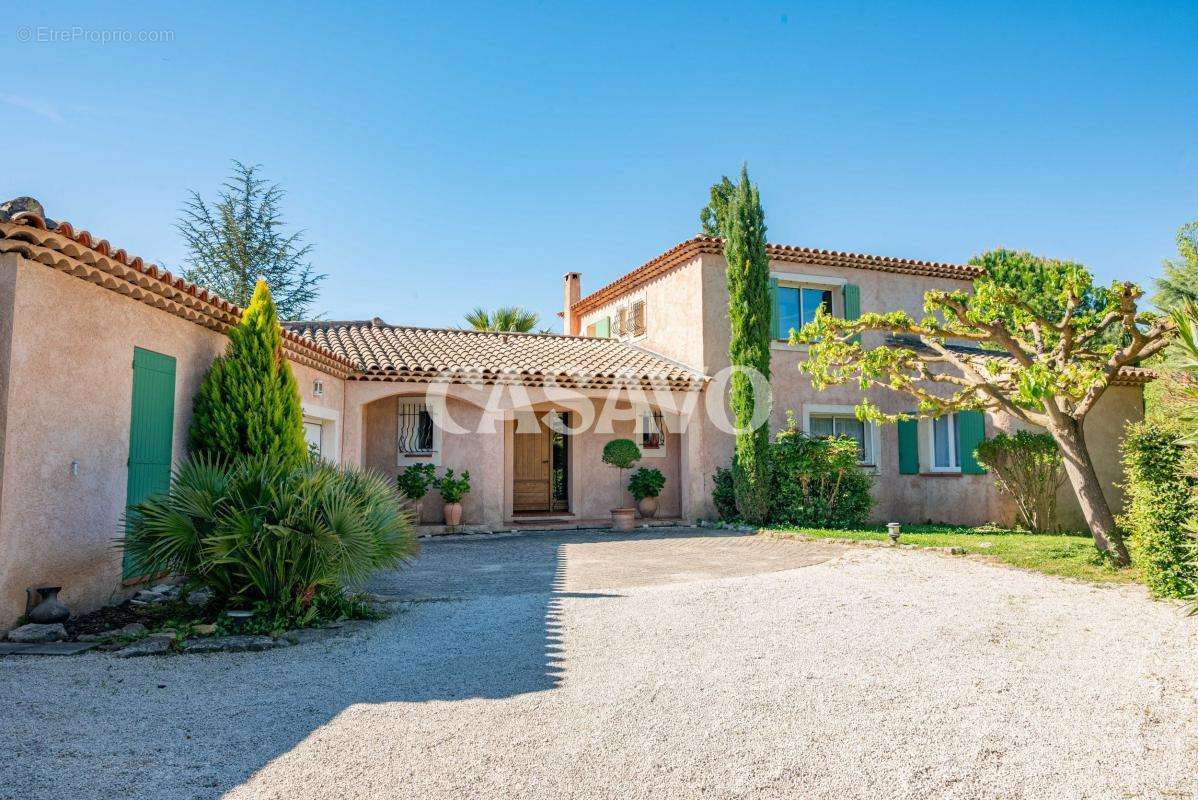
{"x": 908, "y": 446}
{"x": 852, "y": 301}
{"x": 775, "y": 313}
{"x": 851, "y": 294}
{"x": 151, "y": 428}
{"x": 971, "y": 430}
{"x": 603, "y": 328}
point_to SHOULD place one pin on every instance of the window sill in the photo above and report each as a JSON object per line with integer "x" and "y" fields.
{"x": 943, "y": 473}
{"x": 778, "y": 344}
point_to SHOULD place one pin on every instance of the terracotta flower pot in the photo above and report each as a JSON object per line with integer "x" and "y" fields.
{"x": 453, "y": 513}
{"x": 647, "y": 506}
{"x": 623, "y": 519}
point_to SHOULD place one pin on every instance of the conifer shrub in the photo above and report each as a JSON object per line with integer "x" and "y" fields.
{"x": 1160, "y": 509}
{"x": 249, "y": 403}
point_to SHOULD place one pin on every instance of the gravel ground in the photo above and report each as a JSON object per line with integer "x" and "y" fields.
{"x": 649, "y": 666}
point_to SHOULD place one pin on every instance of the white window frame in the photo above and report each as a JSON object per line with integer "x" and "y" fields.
{"x": 955, "y": 457}
{"x": 641, "y": 411}
{"x": 432, "y": 457}
{"x": 329, "y": 420}
{"x": 872, "y": 433}
{"x": 824, "y": 283}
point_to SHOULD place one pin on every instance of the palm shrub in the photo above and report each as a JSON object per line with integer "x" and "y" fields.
{"x": 1029, "y": 467}
{"x": 817, "y": 481}
{"x": 263, "y": 530}
{"x": 249, "y": 403}
{"x": 1160, "y": 509}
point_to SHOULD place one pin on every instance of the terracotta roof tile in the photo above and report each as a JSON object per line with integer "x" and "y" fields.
{"x": 59, "y": 245}
{"x": 393, "y": 352}
{"x": 691, "y": 248}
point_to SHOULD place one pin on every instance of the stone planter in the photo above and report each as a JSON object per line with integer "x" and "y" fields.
{"x": 623, "y": 519}
{"x": 453, "y": 513}
{"x": 647, "y": 506}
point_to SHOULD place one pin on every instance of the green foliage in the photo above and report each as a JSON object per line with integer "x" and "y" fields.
{"x": 723, "y": 494}
{"x": 415, "y": 480}
{"x": 452, "y": 488}
{"x": 1027, "y": 466}
{"x": 646, "y": 482}
{"x": 715, "y": 210}
{"x": 1047, "y": 343}
{"x": 621, "y": 453}
{"x": 248, "y": 403}
{"x": 512, "y": 319}
{"x": 817, "y": 481}
{"x": 749, "y": 309}
{"x": 239, "y": 239}
{"x": 264, "y": 530}
{"x": 1160, "y": 508}
{"x": 1179, "y": 284}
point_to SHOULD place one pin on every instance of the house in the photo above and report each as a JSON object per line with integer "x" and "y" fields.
{"x": 101, "y": 355}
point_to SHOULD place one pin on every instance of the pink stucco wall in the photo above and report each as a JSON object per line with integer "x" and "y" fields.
{"x": 485, "y": 448}
{"x": 687, "y": 320}
{"x": 66, "y": 430}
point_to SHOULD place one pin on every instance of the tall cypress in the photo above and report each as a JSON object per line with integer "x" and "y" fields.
{"x": 249, "y": 402}
{"x": 749, "y": 310}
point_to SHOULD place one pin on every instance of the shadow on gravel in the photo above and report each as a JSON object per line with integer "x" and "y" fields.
{"x": 476, "y": 619}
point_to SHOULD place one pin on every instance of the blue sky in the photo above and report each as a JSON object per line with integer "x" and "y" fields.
{"x": 444, "y": 156}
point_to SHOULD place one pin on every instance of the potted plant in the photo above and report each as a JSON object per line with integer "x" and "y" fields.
{"x": 645, "y": 485}
{"x": 622, "y": 454}
{"x": 453, "y": 489}
{"x": 414, "y": 482}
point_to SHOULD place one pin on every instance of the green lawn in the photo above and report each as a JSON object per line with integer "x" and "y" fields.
{"x": 1068, "y": 556}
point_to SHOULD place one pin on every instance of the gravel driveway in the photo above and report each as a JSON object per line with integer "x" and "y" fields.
{"x": 654, "y": 665}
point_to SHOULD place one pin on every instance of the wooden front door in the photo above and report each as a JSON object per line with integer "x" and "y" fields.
{"x": 532, "y": 488}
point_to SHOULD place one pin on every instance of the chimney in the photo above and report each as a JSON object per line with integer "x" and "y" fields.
{"x": 571, "y": 295}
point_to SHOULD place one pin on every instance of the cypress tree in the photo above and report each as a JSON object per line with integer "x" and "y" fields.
{"x": 249, "y": 403}
{"x": 749, "y": 309}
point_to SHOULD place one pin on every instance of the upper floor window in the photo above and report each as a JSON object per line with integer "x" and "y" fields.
{"x": 797, "y": 306}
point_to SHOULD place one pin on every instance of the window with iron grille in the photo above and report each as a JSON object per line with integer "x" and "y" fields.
{"x": 638, "y": 318}
{"x": 415, "y": 428}
{"x": 619, "y": 323}
{"x": 652, "y": 431}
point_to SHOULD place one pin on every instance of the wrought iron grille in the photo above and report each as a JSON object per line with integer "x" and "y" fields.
{"x": 652, "y": 431}
{"x": 415, "y": 429}
{"x": 638, "y": 318}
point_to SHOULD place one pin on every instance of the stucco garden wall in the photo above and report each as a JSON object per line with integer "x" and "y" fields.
{"x": 66, "y": 430}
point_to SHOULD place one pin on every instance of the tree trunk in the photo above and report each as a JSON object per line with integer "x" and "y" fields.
{"x": 1097, "y": 512}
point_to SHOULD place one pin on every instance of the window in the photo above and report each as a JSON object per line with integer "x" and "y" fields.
{"x": 797, "y": 306}
{"x": 945, "y": 457}
{"x": 638, "y": 318}
{"x": 652, "y": 431}
{"x": 312, "y": 431}
{"x": 847, "y": 425}
{"x": 619, "y": 323}
{"x": 415, "y": 428}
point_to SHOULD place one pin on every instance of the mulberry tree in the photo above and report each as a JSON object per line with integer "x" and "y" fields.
{"x": 1035, "y": 339}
